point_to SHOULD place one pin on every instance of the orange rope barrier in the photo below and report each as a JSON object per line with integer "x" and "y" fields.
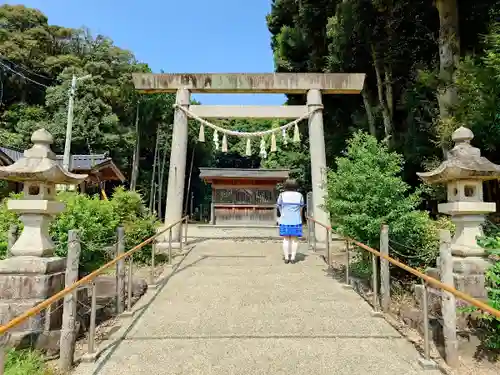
{"x": 435, "y": 282}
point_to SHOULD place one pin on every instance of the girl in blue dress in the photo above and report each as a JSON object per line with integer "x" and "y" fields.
{"x": 290, "y": 203}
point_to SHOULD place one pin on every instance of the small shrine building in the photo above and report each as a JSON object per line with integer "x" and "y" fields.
{"x": 243, "y": 196}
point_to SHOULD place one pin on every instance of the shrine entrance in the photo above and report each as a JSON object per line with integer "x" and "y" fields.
{"x": 311, "y": 85}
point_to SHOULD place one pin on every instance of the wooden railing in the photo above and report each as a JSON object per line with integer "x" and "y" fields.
{"x": 89, "y": 280}
{"x": 448, "y": 296}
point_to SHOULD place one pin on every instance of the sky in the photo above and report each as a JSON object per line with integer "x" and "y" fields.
{"x": 179, "y": 36}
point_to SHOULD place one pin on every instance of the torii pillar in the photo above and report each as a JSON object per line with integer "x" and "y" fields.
{"x": 177, "y": 169}
{"x": 314, "y": 85}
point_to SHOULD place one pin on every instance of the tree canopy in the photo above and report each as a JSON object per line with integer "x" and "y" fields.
{"x": 410, "y": 101}
{"x": 401, "y": 46}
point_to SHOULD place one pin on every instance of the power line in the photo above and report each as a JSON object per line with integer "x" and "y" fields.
{"x": 19, "y": 66}
{"x": 22, "y": 75}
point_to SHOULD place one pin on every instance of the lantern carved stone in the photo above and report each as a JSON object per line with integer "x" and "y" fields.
{"x": 40, "y": 172}
{"x": 33, "y": 273}
{"x": 463, "y": 173}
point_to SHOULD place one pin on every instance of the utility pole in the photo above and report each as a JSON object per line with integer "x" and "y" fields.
{"x": 69, "y": 124}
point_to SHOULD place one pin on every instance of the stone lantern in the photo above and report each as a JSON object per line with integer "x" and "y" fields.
{"x": 32, "y": 273}
{"x": 463, "y": 173}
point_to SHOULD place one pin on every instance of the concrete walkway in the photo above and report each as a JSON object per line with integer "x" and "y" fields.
{"x": 236, "y": 308}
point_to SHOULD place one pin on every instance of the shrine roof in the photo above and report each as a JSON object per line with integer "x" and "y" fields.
{"x": 279, "y": 174}
{"x": 78, "y": 163}
{"x": 38, "y": 163}
{"x": 11, "y": 155}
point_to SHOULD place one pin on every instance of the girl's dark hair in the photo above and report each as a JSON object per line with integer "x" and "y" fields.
{"x": 290, "y": 185}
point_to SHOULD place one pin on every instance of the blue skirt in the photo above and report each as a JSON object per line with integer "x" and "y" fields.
{"x": 291, "y": 230}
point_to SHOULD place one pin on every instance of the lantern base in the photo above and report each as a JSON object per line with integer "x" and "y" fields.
{"x": 26, "y": 281}
{"x": 468, "y": 275}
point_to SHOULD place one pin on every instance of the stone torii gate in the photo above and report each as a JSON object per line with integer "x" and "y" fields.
{"x": 314, "y": 85}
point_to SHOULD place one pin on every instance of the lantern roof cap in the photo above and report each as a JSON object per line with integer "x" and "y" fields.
{"x": 463, "y": 162}
{"x": 39, "y": 164}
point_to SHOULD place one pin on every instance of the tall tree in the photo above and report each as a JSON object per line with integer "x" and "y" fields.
{"x": 449, "y": 55}
{"x": 137, "y": 150}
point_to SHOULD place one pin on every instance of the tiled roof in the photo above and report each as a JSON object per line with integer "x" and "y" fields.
{"x": 84, "y": 162}
{"x": 14, "y": 155}
{"x": 77, "y": 162}
{"x": 244, "y": 173}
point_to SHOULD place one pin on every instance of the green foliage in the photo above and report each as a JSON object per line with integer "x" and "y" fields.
{"x": 489, "y": 323}
{"x": 24, "y": 362}
{"x": 137, "y": 231}
{"x": 366, "y": 191}
{"x": 478, "y": 83}
{"x": 292, "y": 156}
{"x": 492, "y": 243}
{"x": 396, "y": 43}
{"x": 96, "y": 221}
{"x": 7, "y": 218}
{"x": 128, "y": 205}
{"x": 105, "y": 104}
{"x": 360, "y": 268}
{"x": 138, "y": 223}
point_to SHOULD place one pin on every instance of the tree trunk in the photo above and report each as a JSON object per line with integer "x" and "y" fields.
{"x": 152, "y": 192}
{"x": 449, "y": 54}
{"x": 162, "y": 174}
{"x": 135, "y": 160}
{"x": 24, "y": 90}
{"x": 389, "y": 97}
{"x": 382, "y": 97}
{"x": 369, "y": 112}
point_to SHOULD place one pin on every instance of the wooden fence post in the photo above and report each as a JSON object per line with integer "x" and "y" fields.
{"x": 448, "y": 305}
{"x": 120, "y": 271}
{"x": 11, "y": 239}
{"x": 385, "y": 276}
{"x": 69, "y": 326}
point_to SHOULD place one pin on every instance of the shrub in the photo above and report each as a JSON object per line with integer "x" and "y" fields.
{"x": 366, "y": 191}
{"x": 138, "y": 223}
{"x": 137, "y": 231}
{"x": 128, "y": 205}
{"x": 490, "y": 324}
{"x": 96, "y": 221}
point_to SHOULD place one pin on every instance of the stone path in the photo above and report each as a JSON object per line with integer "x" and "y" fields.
{"x": 236, "y": 308}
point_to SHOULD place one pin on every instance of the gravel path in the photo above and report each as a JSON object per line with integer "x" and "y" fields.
{"x": 236, "y": 308}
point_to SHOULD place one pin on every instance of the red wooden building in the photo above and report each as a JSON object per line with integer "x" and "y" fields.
{"x": 243, "y": 196}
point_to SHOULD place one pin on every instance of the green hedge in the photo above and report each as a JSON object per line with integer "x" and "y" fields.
{"x": 96, "y": 221}
{"x": 366, "y": 190}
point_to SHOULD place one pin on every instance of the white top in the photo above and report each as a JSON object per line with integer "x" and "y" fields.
{"x": 289, "y": 204}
